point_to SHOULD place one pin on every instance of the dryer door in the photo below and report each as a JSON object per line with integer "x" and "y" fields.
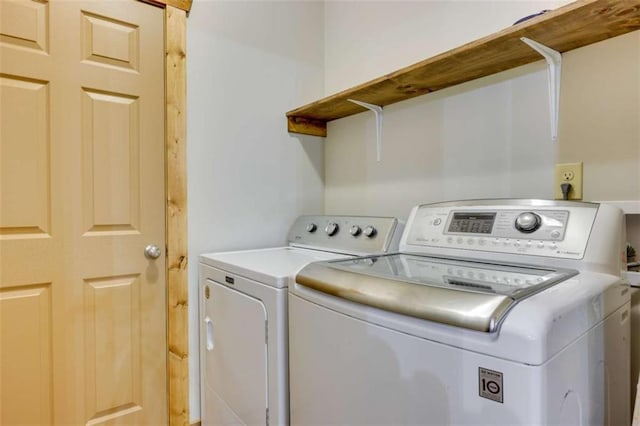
{"x": 235, "y": 357}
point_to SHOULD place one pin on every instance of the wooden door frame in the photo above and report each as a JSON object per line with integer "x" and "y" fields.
{"x": 175, "y": 24}
{"x": 176, "y": 212}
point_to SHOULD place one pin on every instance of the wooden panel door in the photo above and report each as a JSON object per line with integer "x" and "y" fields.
{"x": 82, "y": 311}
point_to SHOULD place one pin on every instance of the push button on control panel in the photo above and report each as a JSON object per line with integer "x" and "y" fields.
{"x": 505, "y": 245}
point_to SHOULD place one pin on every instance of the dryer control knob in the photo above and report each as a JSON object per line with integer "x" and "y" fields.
{"x": 370, "y": 231}
{"x": 311, "y": 227}
{"x": 528, "y": 222}
{"x": 332, "y": 229}
{"x": 355, "y": 230}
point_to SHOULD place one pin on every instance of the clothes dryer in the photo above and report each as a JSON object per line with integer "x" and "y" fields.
{"x": 243, "y": 314}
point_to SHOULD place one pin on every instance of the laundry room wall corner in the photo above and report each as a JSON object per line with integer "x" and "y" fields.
{"x": 248, "y": 63}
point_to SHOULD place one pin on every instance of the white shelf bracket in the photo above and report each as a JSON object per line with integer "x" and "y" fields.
{"x": 554, "y": 69}
{"x": 377, "y": 110}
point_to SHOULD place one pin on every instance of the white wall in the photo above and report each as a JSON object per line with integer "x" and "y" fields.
{"x": 482, "y": 139}
{"x": 486, "y": 138}
{"x": 247, "y": 64}
{"x": 366, "y": 39}
{"x": 600, "y": 116}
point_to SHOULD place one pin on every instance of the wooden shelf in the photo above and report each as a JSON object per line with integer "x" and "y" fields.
{"x": 574, "y": 25}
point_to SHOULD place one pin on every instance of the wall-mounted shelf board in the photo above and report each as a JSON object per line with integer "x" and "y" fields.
{"x": 575, "y": 25}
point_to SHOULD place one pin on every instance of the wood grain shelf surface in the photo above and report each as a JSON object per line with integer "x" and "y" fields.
{"x": 572, "y": 26}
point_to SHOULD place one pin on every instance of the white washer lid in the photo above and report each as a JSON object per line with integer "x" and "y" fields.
{"x": 271, "y": 266}
{"x": 458, "y": 292}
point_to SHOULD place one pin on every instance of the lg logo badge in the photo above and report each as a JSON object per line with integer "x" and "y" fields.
{"x": 490, "y": 384}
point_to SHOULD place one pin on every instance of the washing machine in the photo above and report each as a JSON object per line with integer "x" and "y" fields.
{"x": 495, "y": 312}
{"x": 243, "y": 314}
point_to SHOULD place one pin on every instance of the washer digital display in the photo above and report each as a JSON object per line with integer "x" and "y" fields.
{"x": 472, "y": 223}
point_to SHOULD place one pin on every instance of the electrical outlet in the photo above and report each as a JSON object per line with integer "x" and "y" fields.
{"x": 568, "y": 173}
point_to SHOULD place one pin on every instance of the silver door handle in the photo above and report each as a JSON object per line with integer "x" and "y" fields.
{"x": 152, "y": 251}
{"x": 210, "y": 341}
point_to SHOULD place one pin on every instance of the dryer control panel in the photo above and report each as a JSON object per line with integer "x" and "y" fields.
{"x": 541, "y": 228}
{"x": 347, "y": 234}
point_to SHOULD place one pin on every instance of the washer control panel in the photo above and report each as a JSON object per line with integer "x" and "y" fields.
{"x": 530, "y": 224}
{"x": 557, "y": 229}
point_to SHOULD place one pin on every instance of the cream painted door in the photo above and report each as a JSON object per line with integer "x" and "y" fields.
{"x": 82, "y": 311}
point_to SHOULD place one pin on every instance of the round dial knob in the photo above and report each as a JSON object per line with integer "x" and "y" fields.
{"x": 331, "y": 229}
{"x": 355, "y": 230}
{"x": 311, "y": 227}
{"x": 528, "y": 222}
{"x": 370, "y": 231}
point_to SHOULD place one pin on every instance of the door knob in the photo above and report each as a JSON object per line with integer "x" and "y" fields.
{"x": 152, "y": 251}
